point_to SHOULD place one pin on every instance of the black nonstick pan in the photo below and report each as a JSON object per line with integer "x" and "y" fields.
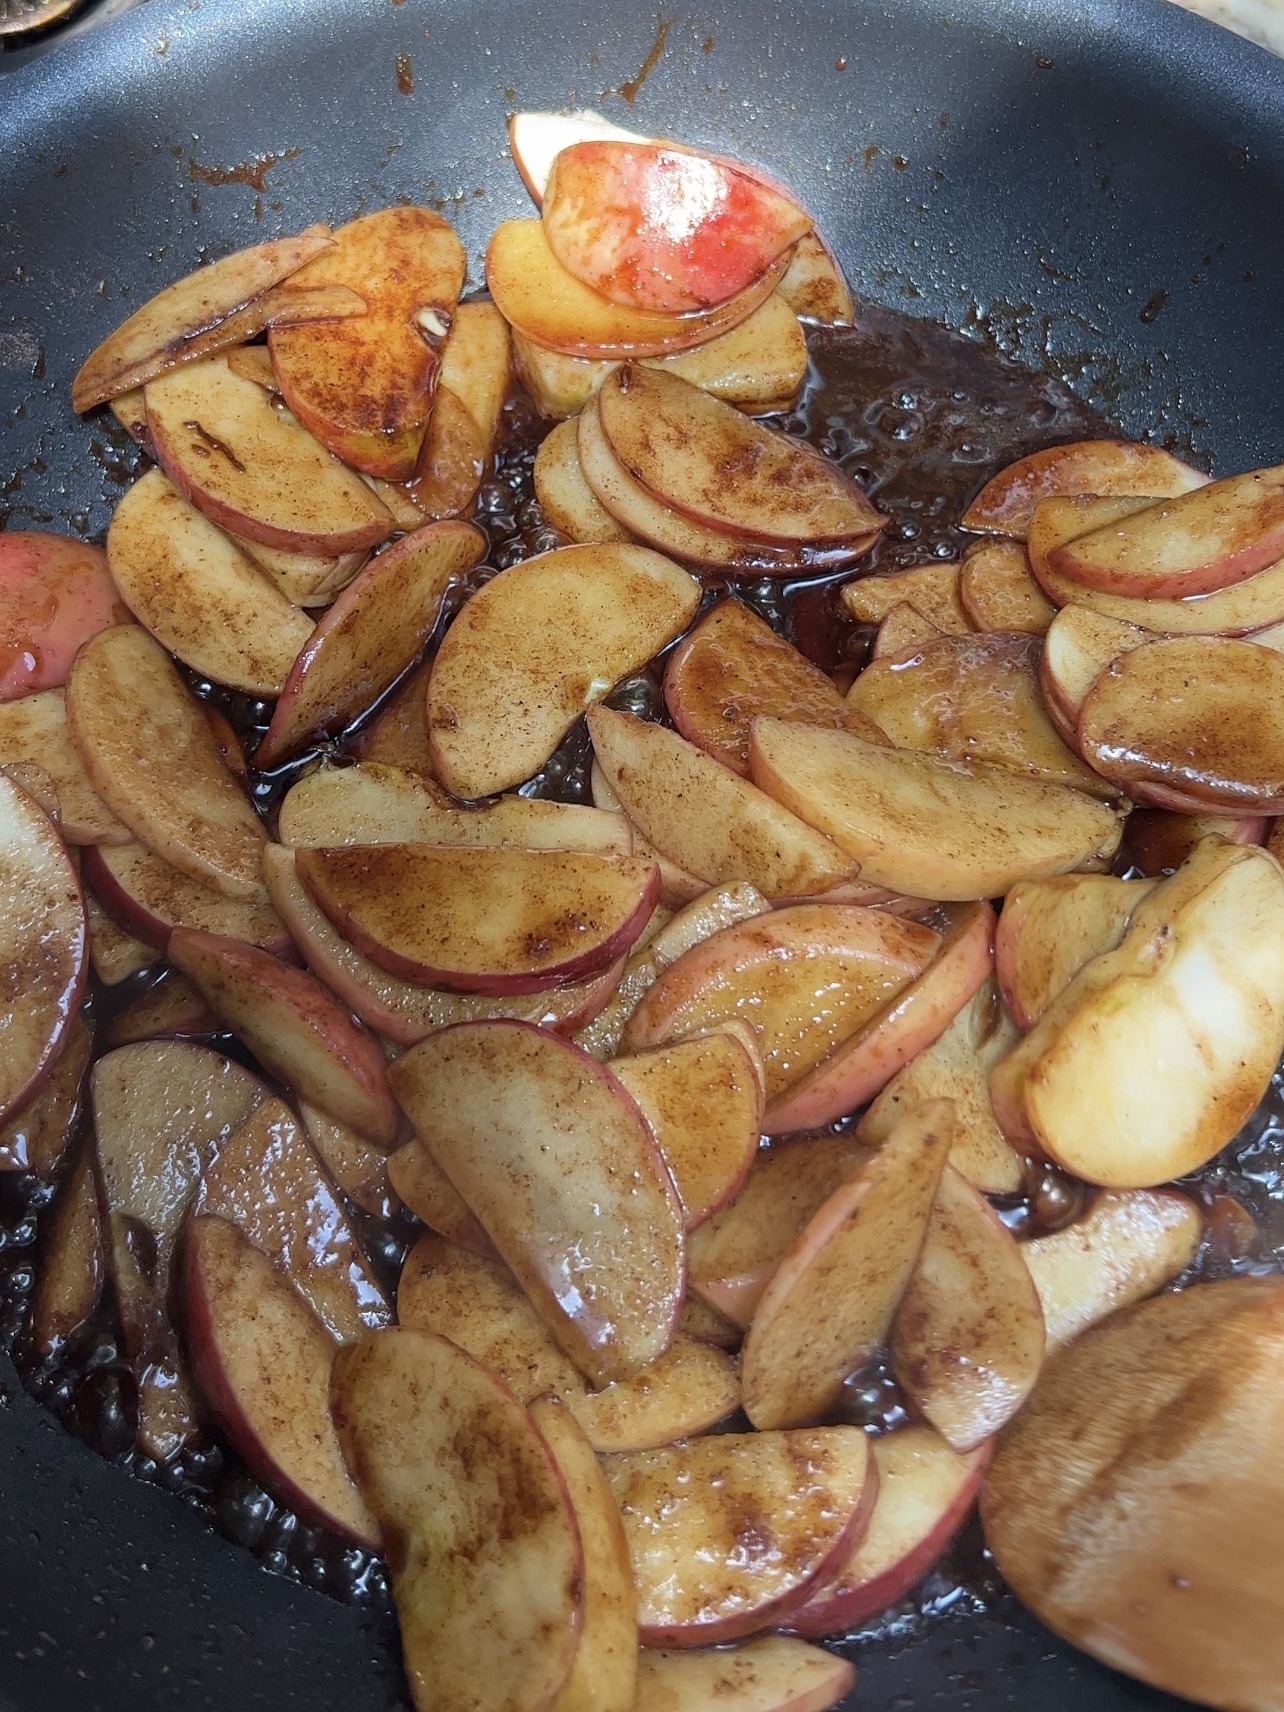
{"x": 1097, "y": 188}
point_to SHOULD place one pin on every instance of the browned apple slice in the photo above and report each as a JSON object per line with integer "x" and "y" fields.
{"x": 358, "y": 1168}
{"x": 1127, "y": 1246}
{"x": 538, "y": 297}
{"x": 262, "y": 1360}
{"x": 486, "y": 921}
{"x": 374, "y": 630}
{"x": 732, "y": 667}
{"x": 44, "y": 946}
{"x": 487, "y": 1565}
{"x": 967, "y": 1340}
{"x": 1195, "y": 715}
{"x": 704, "y": 1323}
{"x": 706, "y": 459}
{"x": 34, "y": 731}
{"x": 956, "y": 1067}
{"x": 1157, "y": 1052}
{"x": 114, "y": 955}
{"x": 37, "y": 1137}
{"x": 1158, "y": 841}
{"x": 557, "y": 1163}
{"x": 830, "y": 1302}
{"x": 566, "y": 499}
{"x": 472, "y": 384}
{"x": 149, "y": 753}
{"x": 1050, "y": 928}
{"x": 432, "y": 1197}
{"x": 305, "y": 579}
{"x": 397, "y": 735}
{"x": 999, "y": 593}
{"x": 167, "y": 326}
{"x": 73, "y": 1265}
{"x": 903, "y": 631}
{"x": 925, "y": 1491}
{"x": 1006, "y": 503}
{"x": 972, "y": 698}
{"x": 540, "y": 643}
{"x": 149, "y": 898}
{"x": 932, "y": 588}
{"x": 689, "y": 1389}
{"x": 1079, "y": 646}
{"x": 924, "y": 826}
{"x": 701, "y": 816}
{"x": 294, "y": 1027}
{"x": 686, "y": 1510}
{"x": 814, "y": 287}
{"x": 169, "y": 1009}
{"x": 197, "y": 592}
{"x": 1168, "y": 1415}
{"x": 252, "y": 469}
{"x": 774, "y": 1673}
{"x": 364, "y": 386}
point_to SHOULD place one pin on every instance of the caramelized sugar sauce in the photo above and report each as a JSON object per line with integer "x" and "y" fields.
{"x": 921, "y": 418}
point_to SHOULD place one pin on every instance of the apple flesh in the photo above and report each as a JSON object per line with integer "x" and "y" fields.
{"x": 1006, "y": 503}
{"x": 903, "y": 631}
{"x": 774, "y": 1673}
{"x": 536, "y": 139}
{"x": 1050, "y": 929}
{"x": 114, "y": 955}
{"x": 34, "y": 732}
{"x": 149, "y": 898}
{"x": 305, "y": 579}
{"x": 814, "y": 286}
{"x": 1080, "y": 645}
{"x": 999, "y": 593}
{"x": 932, "y": 589}
{"x": 568, "y": 502}
{"x": 357, "y": 1167}
{"x": 169, "y": 1009}
{"x": 467, "y": 411}
{"x": 73, "y": 1266}
{"x": 36, "y": 1137}
{"x": 397, "y": 733}
{"x": 55, "y": 593}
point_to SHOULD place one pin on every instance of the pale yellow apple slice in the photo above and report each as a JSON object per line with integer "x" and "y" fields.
{"x": 37, "y": 1137}
{"x": 364, "y": 386}
{"x": 999, "y": 593}
{"x": 431, "y": 1196}
{"x": 814, "y": 287}
{"x": 1170, "y": 1416}
{"x": 1050, "y": 928}
{"x": 163, "y": 330}
{"x": 775, "y": 1673}
{"x": 468, "y": 403}
{"x": 73, "y": 1266}
{"x": 397, "y": 734}
{"x": 830, "y": 1302}
{"x": 684, "y": 1510}
{"x": 956, "y": 1067}
{"x": 487, "y": 1569}
{"x": 1156, "y": 1053}
{"x": 1198, "y": 716}
{"x": 198, "y": 594}
{"x": 557, "y": 1163}
{"x": 731, "y": 668}
{"x": 536, "y": 646}
{"x": 1128, "y": 1245}
{"x": 374, "y": 630}
{"x": 967, "y": 1339}
{"x": 932, "y": 588}
{"x": 924, "y": 826}
{"x": 903, "y": 631}
{"x": 707, "y": 460}
{"x": 1079, "y": 646}
{"x": 701, "y": 816}
{"x": 566, "y": 499}
{"x": 358, "y": 1169}
{"x": 149, "y": 898}
{"x": 34, "y": 730}
{"x": 305, "y": 579}
{"x": 253, "y": 470}
{"x": 1006, "y": 503}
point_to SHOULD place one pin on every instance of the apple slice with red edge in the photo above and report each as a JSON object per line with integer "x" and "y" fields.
{"x": 536, "y": 139}
{"x": 73, "y": 1266}
{"x": 55, "y": 593}
{"x": 1050, "y": 928}
{"x": 358, "y": 1168}
{"x": 932, "y": 589}
{"x": 34, "y": 732}
{"x": 557, "y": 1163}
{"x": 262, "y": 1361}
{"x": 775, "y": 1673}
{"x": 999, "y": 593}
{"x": 1079, "y": 646}
{"x": 1006, "y": 503}
{"x": 486, "y": 1562}
{"x": 468, "y": 402}
{"x": 36, "y": 1137}
{"x": 374, "y": 630}
{"x": 149, "y": 898}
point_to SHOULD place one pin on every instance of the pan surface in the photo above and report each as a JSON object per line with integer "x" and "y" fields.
{"x": 1095, "y": 188}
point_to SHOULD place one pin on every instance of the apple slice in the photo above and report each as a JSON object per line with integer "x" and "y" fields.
{"x": 967, "y": 1340}
{"x": 566, "y": 499}
{"x": 1168, "y": 1415}
{"x": 169, "y": 1009}
{"x": 1127, "y": 1246}
{"x": 536, "y": 646}
{"x": 149, "y": 898}
{"x": 557, "y": 1163}
{"x": 1006, "y": 503}
{"x": 924, "y": 826}
{"x": 397, "y": 734}
{"x": 432, "y": 1197}
{"x": 197, "y": 592}
{"x": 1049, "y": 929}
{"x": 34, "y": 731}
{"x": 36, "y": 1137}
{"x": 166, "y": 327}
{"x": 814, "y": 287}
{"x": 828, "y": 1306}
{"x": 486, "y": 1561}
{"x": 732, "y": 667}
{"x": 774, "y": 1673}
{"x": 305, "y": 579}
{"x": 293, "y": 1025}
{"x": 1079, "y": 646}
{"x": 73, "y": 1266}
{"x": 1158, "y": 841}
{"x": 149, "y": 753}
{"x": 262, "y": 1360}
{"x": 704, "y": 1323}
{"x": 999, "y": 593}
{"x": 688, "y": 1508}
{"x": 472, "y": 384}
{"x": 358, "y": 1168}
{"x": 956, "y": 1067}
{"x": 932, "y": 589}
{"x": 536, "y": 139}
{"x": 55, "y": 594}
{"x": 538, "y": 297}
{"x": 903, "y": 631}
{"x": 372, "y": 633}
{"x": 114, "y": 955}
{"x": 1156, "y": 1053}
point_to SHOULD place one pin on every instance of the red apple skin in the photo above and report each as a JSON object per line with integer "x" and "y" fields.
{"x": 55, "y": 593}
{"x": 131, "y": 913}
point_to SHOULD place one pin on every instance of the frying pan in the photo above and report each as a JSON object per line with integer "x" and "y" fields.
{"x": 1096, "y": 187}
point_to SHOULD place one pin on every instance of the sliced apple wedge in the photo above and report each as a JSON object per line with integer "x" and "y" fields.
{"x": 262, "y": 1360}
{"x": 36, "y": 1137}
{"x": 198, "y": 594}
{"x": 374, "y": 630}
{"x": 364, "y": 386}
{"x": 558, "y": 1165}
{"x": 486, "y": 1561}
{"x": 1168, "y": 1415}
{"x": 540, "y": 643}
{"x": 431, "y": 1196}
{"x": 774, "y": 1673}
{"x": 358, "y": 1168}
{"x": 253, "y": 470}
{"x": 55, "y": 594}
{"x": 536, "y": 139}
{"x": 688, "y": 1390}
{"x": 305, "y": 579}
{"x": 294, "y": 1027}
{"x": 169, "y": 1009}
{"x": 933, "y": 589}
{"x": 1049, "y": 929}
{"x": 397, "y": 735}
{"x": 34, "y": 731}
{"x": 166, "y": 328}
{"x": 999, "y": 593}
{"x": 814, "y": 286}
{"x": 1079, "y": 646}
{"x": 566, "y": 499}
{"x": 114, "y": 955}
{"x": 925, "y": 1491}
{"x": 149, "y": 898}
{"x": 468, "y": 403}
{"x": 927, "y": 827}
{"x": 1127, "y": 1246}
{"x": 73, "y": 1267}
{"x": 830, "y": 1302}
{"x": 149, "y": 753}
{"x": 688, "y": 1511}
{"x": 903, "y": 631}
{"x": 1006, "y": 503}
